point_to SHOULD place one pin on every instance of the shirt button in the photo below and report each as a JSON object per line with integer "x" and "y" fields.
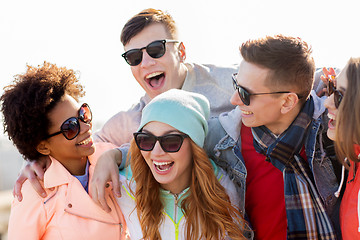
{"x": 107, "y": 185}
{"x": 69, "y": 205}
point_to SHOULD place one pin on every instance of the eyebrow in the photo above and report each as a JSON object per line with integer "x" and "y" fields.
{"x": 342, "y": 89}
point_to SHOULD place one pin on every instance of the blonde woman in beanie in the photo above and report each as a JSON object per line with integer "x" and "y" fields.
{"x": 170, "y": 188}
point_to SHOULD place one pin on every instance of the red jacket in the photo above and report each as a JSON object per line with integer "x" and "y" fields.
{"x": 350, "y": 204}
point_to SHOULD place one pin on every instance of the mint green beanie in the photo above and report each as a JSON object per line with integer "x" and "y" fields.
{"x": 188, "y": 112}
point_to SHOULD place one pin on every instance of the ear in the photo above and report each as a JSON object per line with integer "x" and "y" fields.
{"x": 290, "y": 102}
{"x": 182, "y": 52}
{"x": 43, "y": 148}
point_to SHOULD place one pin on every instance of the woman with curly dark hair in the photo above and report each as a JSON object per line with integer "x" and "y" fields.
{"x": 43, "y": 118}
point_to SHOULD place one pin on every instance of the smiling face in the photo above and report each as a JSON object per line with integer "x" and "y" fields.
{"x": 157, "y": 75}
{"x": 341, "y": 85}
{"x": 263, "y": 109}
{"x": 171, "y": 170}
{"x": 71, "y": 153}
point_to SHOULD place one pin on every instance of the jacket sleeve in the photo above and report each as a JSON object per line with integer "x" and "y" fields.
{"x": 119, "y": 128}
{"x": 229, "y": 188}
{"x": 215, "y": 134}
{"x": 28, "y": 218}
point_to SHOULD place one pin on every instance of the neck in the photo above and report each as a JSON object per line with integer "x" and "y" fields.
{"x": 177, "y": 186}
{"x": 182, "y": 74}
{"x": 75, "y": 167}
{"x": 174, "y": 189}
{"x": 286, "y": 120}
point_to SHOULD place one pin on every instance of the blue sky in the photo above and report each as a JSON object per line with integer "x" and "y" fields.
{"x": 84, "y": 35}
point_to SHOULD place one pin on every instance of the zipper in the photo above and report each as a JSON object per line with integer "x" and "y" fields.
{"x": 121, "y": 226}
{"x": 175, "y": 207}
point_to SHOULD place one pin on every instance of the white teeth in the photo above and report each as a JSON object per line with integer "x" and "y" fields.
{"x": 161, "y": 163}
{"x": 151, "y": 75}
{"x": 86, "y": 141}
{"x": 330, "y": 116}
{"x": 247, "y": 112}
{"x": 163, "y": 166}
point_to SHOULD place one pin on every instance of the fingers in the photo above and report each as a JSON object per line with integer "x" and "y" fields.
{"x": 97, "y": 193}
{"x": 38, "y": 170}
{"x": 324, "y": 79}
{"x": 34, "y": 172}
{"x": 105, "y": 171}
{"x": 116, "y": 184}
{"x": 37, "y": 185}
{"x": 17, "y": 187}
{"x": 332, "y": 71}
{"x": 102, "y": 200}
{"x": 325, "y": 71}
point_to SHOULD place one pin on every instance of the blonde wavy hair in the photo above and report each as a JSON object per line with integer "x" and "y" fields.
{"x": 348, "y": 116}
{"x": 207, "y": 208}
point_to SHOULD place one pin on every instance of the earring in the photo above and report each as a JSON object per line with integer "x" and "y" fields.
{"x": 182, "y": 56}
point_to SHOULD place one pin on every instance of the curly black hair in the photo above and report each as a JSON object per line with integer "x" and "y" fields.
{"x": 27, "y": 101}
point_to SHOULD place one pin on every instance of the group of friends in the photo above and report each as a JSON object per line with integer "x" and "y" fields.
{"x": 257, "y": 150}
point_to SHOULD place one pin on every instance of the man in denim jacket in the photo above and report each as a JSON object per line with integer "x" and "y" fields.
{"x": 273, "y": 144}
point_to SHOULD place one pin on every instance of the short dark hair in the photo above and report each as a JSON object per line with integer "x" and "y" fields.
{"x": 288, "y": 58}
{"x": 27, "y": 101}
{"x": 145, "y": 18}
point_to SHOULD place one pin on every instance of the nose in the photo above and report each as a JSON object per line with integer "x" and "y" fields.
{"x": 147, "y": 61}
{"x": 157, "y": 150}
{"x": 85, "y": 127}
{"x": 329, "y": 102}
{"x": 235, "y": 99}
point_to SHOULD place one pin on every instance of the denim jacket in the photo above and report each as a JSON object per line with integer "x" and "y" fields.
{"x": 223, "y": 145}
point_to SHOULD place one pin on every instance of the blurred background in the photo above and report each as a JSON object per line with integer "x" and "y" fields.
{"x": 85, "y": 36}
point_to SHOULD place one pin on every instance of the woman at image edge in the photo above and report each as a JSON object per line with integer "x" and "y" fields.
{"x": 344, "y": 128}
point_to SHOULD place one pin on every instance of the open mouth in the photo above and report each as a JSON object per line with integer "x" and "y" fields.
{"x": 332, "y": 123}
{"x": 246, "y": 112}
{"x": 155, "y": 79}
{"x": 163, "y": 166}
{"x": 85, "y": 142}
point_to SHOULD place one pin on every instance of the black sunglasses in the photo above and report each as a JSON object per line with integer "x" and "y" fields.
{"x": 155, "y": 49}
{"x": 71, "y": 126}
{"x": 331, "y": 89}
{"x": 245, "y": 95}
{"x": 169, "y": 142}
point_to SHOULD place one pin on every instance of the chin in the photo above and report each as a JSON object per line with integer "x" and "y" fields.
{"x": 90, "y": 151}
{"x": 250, "y": 124}
{"x": 331, "y": 134}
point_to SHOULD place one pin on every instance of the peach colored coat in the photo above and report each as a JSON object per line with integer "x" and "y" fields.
{"x": 67, "y": 212}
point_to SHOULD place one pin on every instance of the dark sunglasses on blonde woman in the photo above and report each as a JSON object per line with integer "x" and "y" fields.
{"x": 331, "y": 89}
{"x": 155, "y": 49}
{"x": 71, "y": 126}
{"x": 168, "y": 142}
